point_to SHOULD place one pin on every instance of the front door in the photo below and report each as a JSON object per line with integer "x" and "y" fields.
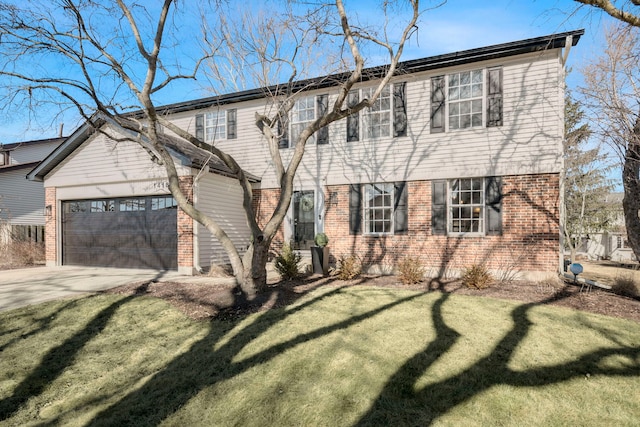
{"x": 303, "y": 219}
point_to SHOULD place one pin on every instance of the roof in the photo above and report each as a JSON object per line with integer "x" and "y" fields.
{"x": 17, "y": 166}
{"x": 14, "y": 145}
{"x": 197, "y": 156}
{"x": 537, "y": 44}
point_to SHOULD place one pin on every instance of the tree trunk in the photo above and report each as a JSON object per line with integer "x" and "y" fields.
{"x": 631, "y": 183}
{"x": 253, "y": 278}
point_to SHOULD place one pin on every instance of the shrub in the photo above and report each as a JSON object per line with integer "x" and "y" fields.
{"x": 410, "y": 271}
{"x": 18, "y": 253}
{"x": 287, "y": 263}
{"x": 349, "y": 267}
{"x": 477, "y": 277}
{"x": 321, "y": 240}
{"x": 626, "y": 285}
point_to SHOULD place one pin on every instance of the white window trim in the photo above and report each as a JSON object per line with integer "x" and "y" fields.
{"x": 483, "y": 206}
{"x": 212, "y": 138}
{"x": 483, "y": 99}
{"x": 292, "y": 122}
{"x": 365, "y": 133}
{"x": 365, "y": 208}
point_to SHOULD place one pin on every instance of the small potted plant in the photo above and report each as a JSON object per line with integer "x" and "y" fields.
{"x": 320, "y": 254}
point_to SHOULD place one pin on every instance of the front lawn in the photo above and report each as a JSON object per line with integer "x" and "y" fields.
{"x": 337, "y": 357}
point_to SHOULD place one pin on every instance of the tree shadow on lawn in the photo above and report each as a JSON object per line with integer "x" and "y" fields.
{"x": 208, "y": 362}
{"x": 422, "y": 407}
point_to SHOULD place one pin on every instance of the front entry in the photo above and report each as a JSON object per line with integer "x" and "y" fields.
{"x": 303, "y": 219}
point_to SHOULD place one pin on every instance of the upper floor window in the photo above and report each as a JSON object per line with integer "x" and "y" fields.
{"x": 4, "y": 158}
{"x": 305, "y": 110}
{"x": 376, "y": 120}
{"x": 302, "y": 115}
{"x": 386, "y": 117}
{"x": 217, "y": 125}
{"x": 466, "y": 99}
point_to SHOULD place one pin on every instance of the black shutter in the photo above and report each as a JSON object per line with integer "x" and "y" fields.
{"x": 494, "y": 97}
{"x": 439, "y": 207}
{"x": 437, "y": 104}
{"x": 200, "y": 126}
{"x": 399, "y": 110}
{"x": 355, "y": 208}
{"x": 322, "y": 107}
{"x": 493, "y": 205}
{"x": 353, "y": 126}
{"x": 401, "y": 208}
{"x": 232, "y": 124}
{"x": 283, "y": 128}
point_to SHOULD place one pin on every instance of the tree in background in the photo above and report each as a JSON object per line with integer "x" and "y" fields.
{"x": 612, "y": 92}
{"x": 113, "y": 59}
{"x": 586, "y": 186}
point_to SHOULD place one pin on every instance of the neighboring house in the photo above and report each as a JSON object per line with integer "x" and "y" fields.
{"x": 22, "y": 213}
{"x": 612, "y": 244}
{"x": 459, "y": 162}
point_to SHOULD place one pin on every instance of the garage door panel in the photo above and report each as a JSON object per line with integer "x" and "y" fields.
{"x": 139, "y": 238}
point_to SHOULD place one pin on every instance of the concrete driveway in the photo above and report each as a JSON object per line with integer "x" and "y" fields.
{"x": 33, "y": 285}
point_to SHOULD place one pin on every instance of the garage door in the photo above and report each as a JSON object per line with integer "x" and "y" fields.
{"x": 132, "y": 232}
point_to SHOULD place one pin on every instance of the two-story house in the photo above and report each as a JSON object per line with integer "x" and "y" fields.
{"x": 459, "y": 162}
{"x": 22, "y": 213}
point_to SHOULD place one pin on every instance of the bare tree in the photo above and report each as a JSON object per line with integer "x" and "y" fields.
{"x": 109, "y": 59}
{"x": 621, "y": 10}
{"x": 613, "y": 93}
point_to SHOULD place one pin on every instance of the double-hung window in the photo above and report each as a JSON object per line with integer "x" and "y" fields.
{"x": 305, "y": 110}
{"x": 378, "y": 208}
{"x": 466, "y": 205}
{"x": 376, "y": 120}
{"x": 302, "y": 115}
{"x": 467, "y": 99}
{"x": 216, "y": 125}
{"x": 387, "y": 116}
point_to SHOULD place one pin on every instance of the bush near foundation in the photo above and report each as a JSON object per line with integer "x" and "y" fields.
{"x": 410, "y": 271}
{"x": 287, "y": 263}
{"x": 477, "y": 277}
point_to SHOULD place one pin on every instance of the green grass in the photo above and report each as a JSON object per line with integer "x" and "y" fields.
{"x": 338, "y": 357}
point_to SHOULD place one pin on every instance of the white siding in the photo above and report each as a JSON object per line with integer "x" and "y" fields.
{"x": 220, "y": 198}
{"x": 21, "y": 201}
{"x": 30, "y": 152}
{"x": 100, "y": 161}
{"x": 528, "y": 142}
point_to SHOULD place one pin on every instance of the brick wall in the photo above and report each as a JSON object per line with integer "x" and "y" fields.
{"x": 185, "y": 227}
{"x": 264, "y": 204}
{"x": 530, "y": 238}
{"x": 50, "y": 229}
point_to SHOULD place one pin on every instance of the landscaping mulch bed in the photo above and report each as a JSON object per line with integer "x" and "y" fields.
{"x": 206, "y": 301}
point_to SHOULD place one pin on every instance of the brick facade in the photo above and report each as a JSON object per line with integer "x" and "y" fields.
{"x": 185, "y": 228}
{"x": 529, "y": 242}
{"x": 50, "y": 228}
{"x": 264, "y": 204}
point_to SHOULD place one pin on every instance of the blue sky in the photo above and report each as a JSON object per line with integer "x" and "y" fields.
{"x": 455, "y": 26}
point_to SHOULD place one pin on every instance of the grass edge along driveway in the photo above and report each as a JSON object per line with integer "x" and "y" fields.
{"x": 338, "y": 356}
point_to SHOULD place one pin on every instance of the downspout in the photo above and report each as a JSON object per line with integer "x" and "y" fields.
{"x": 196, "y": 224}
{"x": 562, "y": 94}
